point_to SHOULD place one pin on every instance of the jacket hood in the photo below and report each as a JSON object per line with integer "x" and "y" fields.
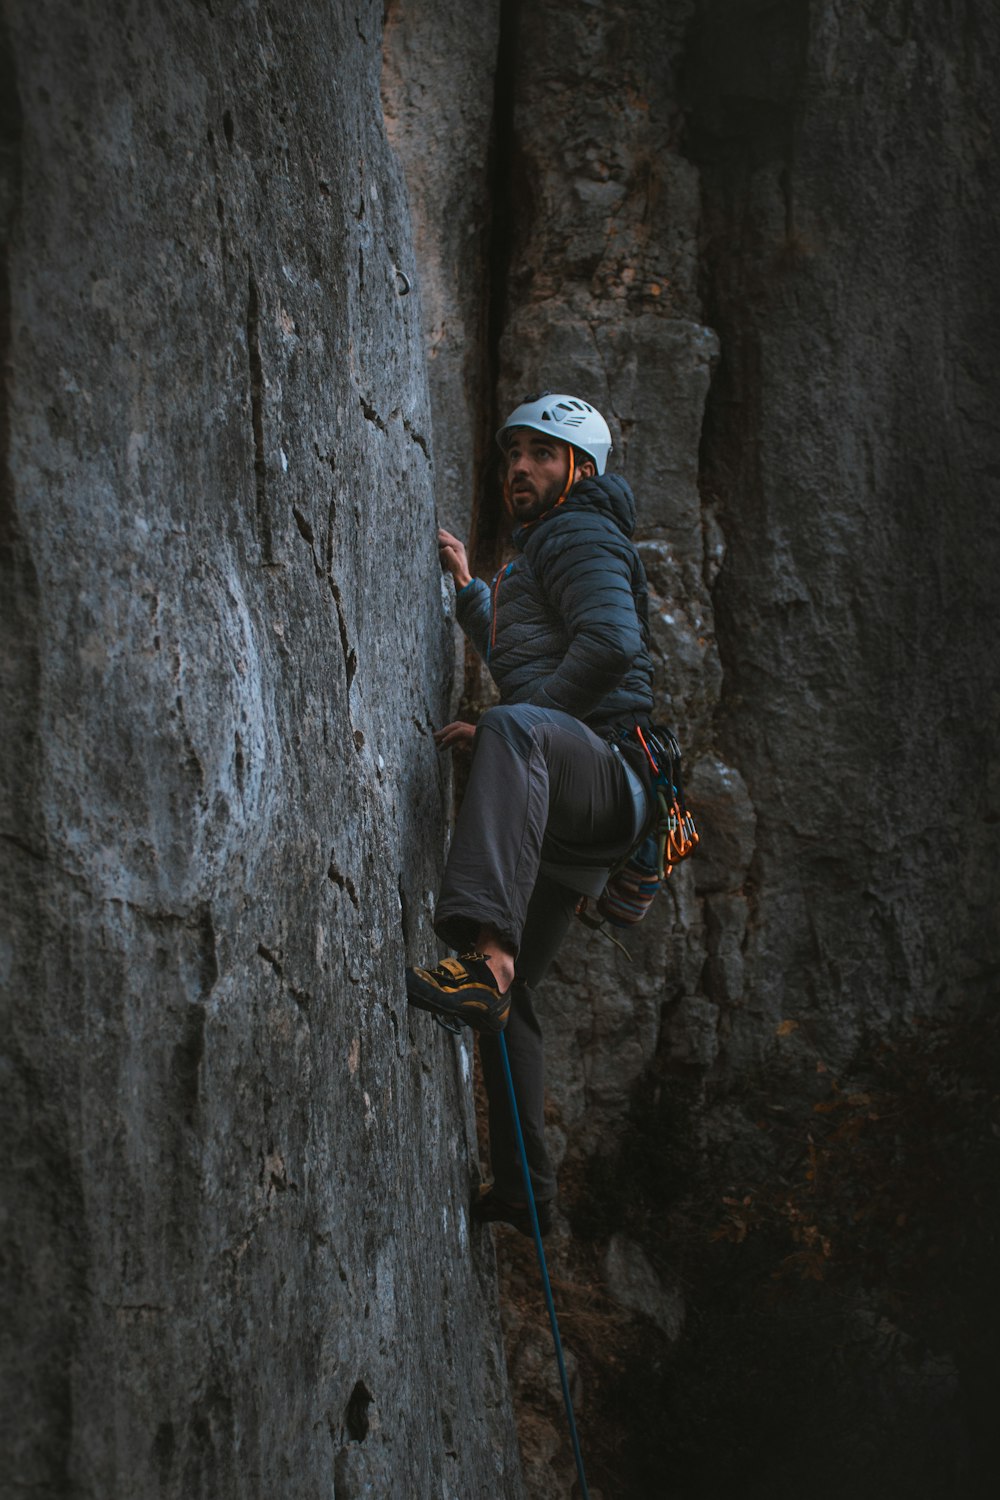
{"x": 609, "y": 494}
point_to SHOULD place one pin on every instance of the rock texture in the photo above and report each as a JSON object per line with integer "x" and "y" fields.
{"x": 851, "y": 440}
{"x": 270, "y": 277}
{"x": 235, "y": 1232}
{"x": 760, "y": 236}
{"x": 439, "y": 86}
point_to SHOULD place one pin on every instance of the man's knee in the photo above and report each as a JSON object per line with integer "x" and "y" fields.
{"x": 517, "y": 724}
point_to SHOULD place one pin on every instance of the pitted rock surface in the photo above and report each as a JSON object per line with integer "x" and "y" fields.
{"x": 240, "y": 1168}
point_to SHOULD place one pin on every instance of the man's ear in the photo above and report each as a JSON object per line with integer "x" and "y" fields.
{"x": 586, "y": 469}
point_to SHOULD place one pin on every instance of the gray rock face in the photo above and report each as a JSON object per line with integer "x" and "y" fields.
{"x": 236, "y": 1224}
{"x": 633, "y": 1282}
{"x": 438, "y": 92}
{"x": 268, "y": 278}
{"x": 785, "y": 209}
{"x": 849, "y": 446}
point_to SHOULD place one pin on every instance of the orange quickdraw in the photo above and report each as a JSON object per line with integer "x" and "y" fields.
{"x": 649, "y": 757}
{"x": 634, "y": 881}
{"x": 678, "y": 837}
{"x": 675, "y": 831}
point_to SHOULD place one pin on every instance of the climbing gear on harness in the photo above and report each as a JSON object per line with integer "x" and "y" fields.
{"x": 565, "y": 417}
{"x": 533, "y": 1211}
{"x": 460, "y": 990}
{"x": 489, "y": 1208}
{"x": 676, "y": 835}
{"x": 633, "y": 884}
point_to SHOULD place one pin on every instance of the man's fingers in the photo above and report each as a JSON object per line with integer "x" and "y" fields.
{"x": 453, "y": 557}
{"x": 453, "y": 735}
{"x": 449, "y": 543}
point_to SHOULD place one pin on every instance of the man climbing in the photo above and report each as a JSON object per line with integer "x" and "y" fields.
{"x": 553, "y": 797}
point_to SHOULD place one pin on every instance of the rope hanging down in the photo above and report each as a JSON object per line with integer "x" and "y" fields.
{"x": 546, "y": 1286}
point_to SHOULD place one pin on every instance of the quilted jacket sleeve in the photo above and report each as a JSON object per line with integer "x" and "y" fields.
{"x": 585, "y": 568}
{"x": 472, "y": 610}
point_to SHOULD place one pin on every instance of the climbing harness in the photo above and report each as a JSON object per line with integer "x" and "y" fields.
{"x": 634, "y": 882}
{"x": 676, "y": 835}
{"x": 546, "y": 1285}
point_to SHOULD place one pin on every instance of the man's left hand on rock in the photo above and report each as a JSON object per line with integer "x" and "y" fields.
{"x": 456, "y": 736}
{"x": 454, "y": 558}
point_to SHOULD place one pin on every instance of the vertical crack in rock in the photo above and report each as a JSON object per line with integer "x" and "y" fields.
{"x": 164, "y": 1449}
{"x": 350, "y": 655}
{"x": 405, "y": 919}
{"x": 331, "y": 522}
{"x": 239, "y": 763}
{"x": 263, "y": 519}
{"x": 186, "y": 1063}
{"x": 309, "y": 537}
{"x": 486, "y": 525}
{"x": 10, "y": 193}
{"x": 305, "y": 530}
{"x": 208, "y": 965}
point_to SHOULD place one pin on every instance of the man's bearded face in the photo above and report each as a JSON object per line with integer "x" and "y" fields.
{"x": 537, "y": 468}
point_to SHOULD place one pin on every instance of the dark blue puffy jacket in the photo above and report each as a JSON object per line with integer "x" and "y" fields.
{"x": 565, "y": 624}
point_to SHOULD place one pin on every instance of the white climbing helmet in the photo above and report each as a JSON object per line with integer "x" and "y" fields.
{"x": 564, "y": 417}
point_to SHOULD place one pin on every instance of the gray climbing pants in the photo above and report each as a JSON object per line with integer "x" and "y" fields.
{"x": 549, "y": 807}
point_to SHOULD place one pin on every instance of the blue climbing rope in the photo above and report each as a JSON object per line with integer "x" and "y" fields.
{"x": 584, "y": 1492}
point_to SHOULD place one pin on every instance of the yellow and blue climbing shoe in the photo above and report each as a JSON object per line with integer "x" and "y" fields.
{"x": 460, "y": 989}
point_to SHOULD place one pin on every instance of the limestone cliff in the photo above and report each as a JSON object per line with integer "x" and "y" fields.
{"x": 270, "y": 276}
{"x": 235, "y": 1229}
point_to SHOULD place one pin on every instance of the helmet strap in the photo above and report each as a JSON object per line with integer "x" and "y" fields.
{"x": 570, "y": 476}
